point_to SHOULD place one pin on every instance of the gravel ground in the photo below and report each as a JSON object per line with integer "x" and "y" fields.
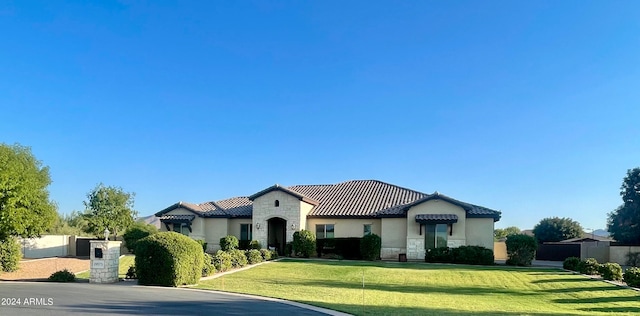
{"x": 42, "y": 268}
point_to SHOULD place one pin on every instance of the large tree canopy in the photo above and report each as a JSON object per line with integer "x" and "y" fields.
{"x": 109, "y": 207}
{"x": 25, "y": 208}
{"x": 500, "y": 233}
{"x": 624, "y": 222}
{"x": 552, "y": 229}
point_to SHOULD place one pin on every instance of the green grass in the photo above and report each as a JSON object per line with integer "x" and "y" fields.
{"x": 429, "y": 289}
{"x": 125, "y": 263}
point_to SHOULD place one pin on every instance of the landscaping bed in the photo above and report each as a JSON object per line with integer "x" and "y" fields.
{"x": 40, "y": 269}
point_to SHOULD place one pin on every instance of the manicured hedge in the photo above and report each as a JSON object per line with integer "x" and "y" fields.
{"x": 370, "y": 247}
{"x": 136, "y": 232}
{"x": 589, "y": 266}
{"x": 10, "y": 254}
{"x": 238, "y": 258}
{"x": 168, "y": 259}
{"x": 266, "y": 254}
{"x": 253, "y": 256}
{"x": 208, "y": 268}
{"x": 521, "y": 249}
{"x": 229, "y": 242}
{"x": 347, "y": 248}
{"x": 476, "y": 255}
{"x": 222, "y": 261}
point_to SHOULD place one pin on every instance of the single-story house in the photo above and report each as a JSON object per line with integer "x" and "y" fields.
{"x": 408, "y": 221}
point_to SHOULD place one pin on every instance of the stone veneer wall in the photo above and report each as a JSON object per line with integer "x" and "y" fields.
{"x": 264, "y": 209}
{"x": 105, "y": 270}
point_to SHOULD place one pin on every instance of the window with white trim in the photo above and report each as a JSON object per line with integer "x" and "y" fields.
{"x": 324, "y": 231}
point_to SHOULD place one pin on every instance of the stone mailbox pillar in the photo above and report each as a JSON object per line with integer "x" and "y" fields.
{"x": 105, "y": 259}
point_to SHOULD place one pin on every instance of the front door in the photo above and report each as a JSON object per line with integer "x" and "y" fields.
{"x": 277, "y": 234}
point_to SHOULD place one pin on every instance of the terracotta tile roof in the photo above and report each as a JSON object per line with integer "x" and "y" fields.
{"x": 177, "y": 218}
{"x": 358, "y": 198}
{"x": 350, "y": 199}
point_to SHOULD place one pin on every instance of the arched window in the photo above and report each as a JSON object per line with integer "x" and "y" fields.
{"x": 277, "y": 203}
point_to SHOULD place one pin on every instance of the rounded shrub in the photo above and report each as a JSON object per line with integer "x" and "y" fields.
{"x": 136, "y": 232}
{"x": 168, "y": 259}
{"x": 62, "y": 276}
{"x": 266, "y": 254}
{"x": 521, "y": 249}
{"x": 221, "y": 261}
{"x": 228, "y": 243}
{"x": 589, "y": 266}
{"x": 611, "y": 271}
{"x": 370, "y": 246}
{"x": 304, "y": 243}
{"x": 571, "y": 263}
{"x": 274, "y": 254}
{"x": 632, "y": 277}
{"x": 238, "y": 258}
{"x": 10, "y": 254}
{"x": 207, "y": 265}
{"x": 253, "y": 256}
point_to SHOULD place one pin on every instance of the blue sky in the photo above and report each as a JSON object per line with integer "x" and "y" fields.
{"x": 528, "y": 108}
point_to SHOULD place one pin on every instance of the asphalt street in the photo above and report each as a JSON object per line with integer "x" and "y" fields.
{"x": 44, "y": 298}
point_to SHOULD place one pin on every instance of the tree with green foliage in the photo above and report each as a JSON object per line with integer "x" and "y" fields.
{"x": 69, "y": 224}
{"x": 521, "y": 250}
{"x": 304, "y": 243}
{"x": 109, "y": 207}
{"x": 552, "y": 229}
{"x": 501, "y": 233}
{"x": 135, "y": 232}
{"x": 624, "y": 222}
{"x": 25, "y": 208}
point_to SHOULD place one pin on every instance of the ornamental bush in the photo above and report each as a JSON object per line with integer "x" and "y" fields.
{"x": 62, "y": 276}
{"x": 274, "y": 254}
{"x": 222, "y": 261}
{"x": 521, "y": 249}
{"x": 10, "y": 254}
{"x": 266, "y": 254}
{"x": 254, "y": 244}
{"x": 472, "y": 255}
{"x": 439, "y": 255}
{"x": 304, "y": 243}
{"x": 136, "y": 232}
{"x": 610, "y": 271}
{"x": 238, "y": 258}
{"x": 253, "y": 256}
{"x": 228, "y": 243}
{"x": 589, "y": 266}
{"x": 370, "y": 246}
{"x": 207, "y": 265}
{"x": 571, "y": 263}
{"x": 131, "y": 273}
{"x": 168, "y": 259}
{"x": 632, "y": 277}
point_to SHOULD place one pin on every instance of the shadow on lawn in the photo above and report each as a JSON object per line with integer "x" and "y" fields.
{"x": 401, "y": 310}
{"x": 607, "y": 287}
{"x": 635, "y": 310}
{"x": 576, "y": 279}
{"x": 419, "y": 265}
{"x": 404, "y": 288}
{"x": 596, "y": 300}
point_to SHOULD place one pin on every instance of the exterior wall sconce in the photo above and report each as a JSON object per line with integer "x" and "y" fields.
{"x": 258, "y": 226}
{"x": 293, "y": 226}
{"x": 106, "y": 233}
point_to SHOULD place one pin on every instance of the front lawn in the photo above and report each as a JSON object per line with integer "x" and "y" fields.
{"x": 125, "y": 262}
{"x": 429, "y": 289}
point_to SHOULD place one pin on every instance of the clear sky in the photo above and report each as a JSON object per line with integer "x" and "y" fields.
{"x": 528, "y": 108}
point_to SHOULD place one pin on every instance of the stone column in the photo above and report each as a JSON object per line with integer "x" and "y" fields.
{"x": 105, "y": 261}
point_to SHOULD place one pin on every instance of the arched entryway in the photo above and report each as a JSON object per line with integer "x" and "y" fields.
{"x": 277, "y": 233}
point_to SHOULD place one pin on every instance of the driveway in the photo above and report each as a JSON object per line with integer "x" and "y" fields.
{"x": 44, "y": 298}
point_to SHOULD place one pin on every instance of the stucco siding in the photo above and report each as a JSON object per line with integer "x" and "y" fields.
{"x": 234, "y": 226}
{"x": 264, "y": 209}
{"x": 394, "y": 237}
{"x": 216, "y": 228}
{"x": 480, "y": 232}
{"x": 416, "y": 242}
{"x": 197, "y": 226}
{"x": 346, "y": 227}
